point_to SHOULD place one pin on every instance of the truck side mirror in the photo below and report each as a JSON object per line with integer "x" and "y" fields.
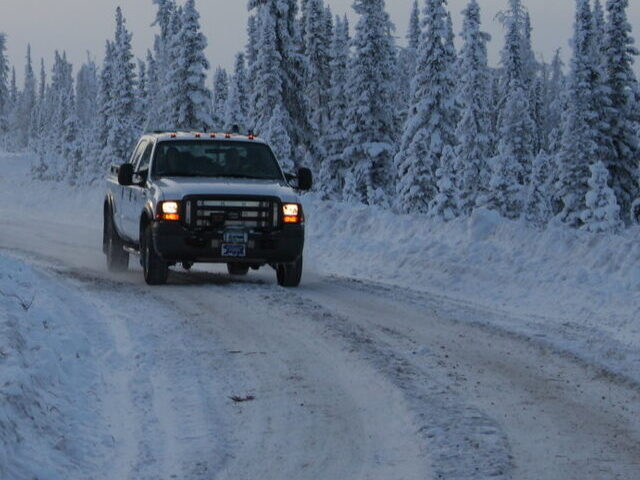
{"x": 305, "y": 179}
{"x": 125, "y": 175}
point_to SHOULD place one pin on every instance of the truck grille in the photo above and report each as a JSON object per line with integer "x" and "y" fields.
{"x": 221, "y": 213}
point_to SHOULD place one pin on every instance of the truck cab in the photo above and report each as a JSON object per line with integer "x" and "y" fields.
{"x": 190, "y": 197}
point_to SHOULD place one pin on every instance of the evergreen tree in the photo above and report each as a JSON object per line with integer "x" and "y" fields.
{"x": 87, "y": 87}
{"x": 512, "y": 165}
{"x": 430, "y": 128}
{"x": 538, "y": 209}
{"x": 407, "y": 60}
{"x": 318, "y": 74}
{"x": 4, "y": 88}
{"x": 237, "y": 107}
{"x": 158, "y": 62}
{"x": 283, "y": 18}
{"x": 600, "y": 33}
{"x": 579, "y": 147}
{"x": 530, "y": 64}
{"x": 189, "y": 101}
{"x": 555, "y": 104}
{"x": 602, "y": 212}
{"x": 26, "y": 105}
{"x": 331, "y": 179}
{"x": 253, "y": 33}
{"x": 220, "y": 97}
{"x": 623, "y": 117}
{"x": 445, "y": 204}
{"x": 105, "y": 105}
{"x": 277, "y": 135}
{"x": 473, "y": 132}
{"x": 142, "y": 93}
{"x": 267, "y": 93}
{"x": 121, "y": 122}
{"x": 370, "y": 118}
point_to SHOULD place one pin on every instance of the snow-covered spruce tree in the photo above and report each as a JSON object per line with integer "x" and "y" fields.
{"x": 189, "y": 101}
{"x": 237, "y": 107}
{"x": 25, "y": 106}
{"x": 318, "y": 74}
{"x": 370, "y": 123}
{"x": 538, "y": 209}
{"x": 331, "y": 177}
{"x": 473, "y": 133}
{"x": 38, "y": 118}
{"x": 579, "y": 148}
{"x": 87, "y": 87}
{"x": 537, "y": 105}
{"x": 406, "y": 65}
{"x": 511, "y": 167}
{"x": 4, "y": 89}
{"x": 267, "y": 92}
{"x": 555, "y": 104}
{"x": 220, "y": 97}
{"x": 105, "y": 105}
{"x": 142, "y": 93}
{"x": 622, "y": 117}
{"x": 121, "y": 122}
{"x": 430, "y": 128}
{"x": 599, "y": 32}
{"x": 253, "y": 33}
{"x": 279, "y": 138}
{"x": 602, "y": 212}
{"x": 158, "y": 61}
{"x": 291, "y": 73}
{"x": 530, "y": 64}
{"x": 445, "y": 204}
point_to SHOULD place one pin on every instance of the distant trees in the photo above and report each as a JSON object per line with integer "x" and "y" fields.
{"x": 420, "y": 128}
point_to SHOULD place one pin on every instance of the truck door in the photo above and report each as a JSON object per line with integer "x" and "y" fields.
{"x": 126, "y": 200}
{"x": 139, "y": 192}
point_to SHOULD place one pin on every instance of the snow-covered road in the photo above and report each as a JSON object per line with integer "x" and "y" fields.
{"x": 342, "y": 379}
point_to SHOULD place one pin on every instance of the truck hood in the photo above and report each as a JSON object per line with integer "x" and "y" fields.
{"x": 177, "y": 188}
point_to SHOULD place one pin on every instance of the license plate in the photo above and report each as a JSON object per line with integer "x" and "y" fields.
{"x": 234, "y": 250}
{"x": 236, "y": 237}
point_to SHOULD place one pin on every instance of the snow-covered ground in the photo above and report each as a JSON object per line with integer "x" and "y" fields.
{"x": 414, "y": 349}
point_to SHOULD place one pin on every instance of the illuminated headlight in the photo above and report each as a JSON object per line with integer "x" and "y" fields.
{"x": 292, "y": 213}
{"x": 291, "y": 209}
{"x": 170, "y": 207}
{"x": 169, "y": 211}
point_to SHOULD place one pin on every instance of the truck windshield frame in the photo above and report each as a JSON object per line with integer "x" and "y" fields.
{"x": 215, "y": 159}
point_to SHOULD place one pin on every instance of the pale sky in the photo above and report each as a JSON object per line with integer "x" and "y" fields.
{"x": 78, "y": 26}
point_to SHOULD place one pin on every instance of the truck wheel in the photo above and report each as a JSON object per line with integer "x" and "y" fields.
{"x": 289, "y": 274}
{"x": 237, "y": 269}
{"x": 117, "y": 258}
{"x": 156, "y": 270}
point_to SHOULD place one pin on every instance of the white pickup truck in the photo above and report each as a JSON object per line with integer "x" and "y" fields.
{"x": 188, "y": 197}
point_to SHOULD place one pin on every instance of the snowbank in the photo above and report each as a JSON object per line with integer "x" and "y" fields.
{"x": 49, "y": 386}
{"x": 579, "y": 289}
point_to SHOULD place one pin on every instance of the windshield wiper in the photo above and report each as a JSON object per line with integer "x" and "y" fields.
{"x": 230, "y": 175}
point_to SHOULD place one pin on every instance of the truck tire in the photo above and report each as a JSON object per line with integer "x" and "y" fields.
{"x": 156, "y": 270}
{"x": 289, "y": 274}
{"x": 117, "y": 258}
{"x": 237, "y": 269}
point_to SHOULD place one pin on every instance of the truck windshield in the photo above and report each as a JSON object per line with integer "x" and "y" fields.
{"x": 215, "y": 159}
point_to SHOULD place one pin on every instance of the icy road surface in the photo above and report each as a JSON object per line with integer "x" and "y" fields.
{"x": 339, "y": 379}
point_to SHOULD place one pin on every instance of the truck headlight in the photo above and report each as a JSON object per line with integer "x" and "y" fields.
{"x": 292, "y": 213}
{"x": 169, "y": 211}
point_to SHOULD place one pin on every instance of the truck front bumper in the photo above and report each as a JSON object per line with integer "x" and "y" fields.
{"x": 175, "y": 243}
